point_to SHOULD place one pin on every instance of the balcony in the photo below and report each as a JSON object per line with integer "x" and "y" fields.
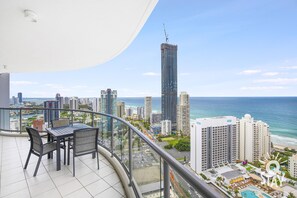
{"x": 131, "y": 165}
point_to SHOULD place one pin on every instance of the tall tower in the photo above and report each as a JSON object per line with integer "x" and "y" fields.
{"x": 20, "y": 97}
{"x": 147, "y": 107}
{"x": 51, "y": 114}
{"x": 108, "y": 101}
{"x": 183, "y": 114}
{"x": 169, "y": 82}
{"x": 120, "y": 109}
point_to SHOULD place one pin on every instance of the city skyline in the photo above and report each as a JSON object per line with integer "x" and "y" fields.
{"x": 226, "y": 48}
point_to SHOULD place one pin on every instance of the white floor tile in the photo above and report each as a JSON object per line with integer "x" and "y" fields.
{"x": 110, "y": 192}
{"x": 97, "y": 187}
{"x": 69, "y": 187}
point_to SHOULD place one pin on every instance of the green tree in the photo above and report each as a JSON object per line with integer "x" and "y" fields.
{"x": 291, "y": 195}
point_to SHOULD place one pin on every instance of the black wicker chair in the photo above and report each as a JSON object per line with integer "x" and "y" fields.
{"x": 84, "y": 142}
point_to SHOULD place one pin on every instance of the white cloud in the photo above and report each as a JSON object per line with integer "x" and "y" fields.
{"x": 184, "y": 74}
{"x": 289, "y": 67}
{"x": 23, "y": 83}
{"x": 277, "y": 80}
{"x": 263, "y": 88}
{"x": 270, "y": 74}
{"x": 251, "y": 71}
{"x": 79, "y": 87}
{"x": 151, "y": 74}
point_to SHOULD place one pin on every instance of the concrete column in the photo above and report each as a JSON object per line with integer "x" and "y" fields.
{"x": 4, "y": 100}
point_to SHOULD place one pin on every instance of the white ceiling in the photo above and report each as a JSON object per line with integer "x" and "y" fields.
{"x": 68, "y": 34}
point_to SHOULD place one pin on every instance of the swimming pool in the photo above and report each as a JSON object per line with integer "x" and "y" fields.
{"x": 253, "y": 192}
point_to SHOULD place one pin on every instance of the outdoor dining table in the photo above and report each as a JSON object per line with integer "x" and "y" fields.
{"x": 60, "y": 133}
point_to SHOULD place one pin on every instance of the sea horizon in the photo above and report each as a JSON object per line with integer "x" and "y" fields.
{"x": 278, "y": 112}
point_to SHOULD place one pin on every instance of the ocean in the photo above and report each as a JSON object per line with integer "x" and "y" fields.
{"x": 279, "y": 112}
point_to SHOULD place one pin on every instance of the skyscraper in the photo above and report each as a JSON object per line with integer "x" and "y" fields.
{"x": 169, "y": 82}
{"x": 108, "y": 101}
{"x": 140, "y": 112}
{"x": 213, "y": 142}
{"x": 147, "y": 107}
{"x": 120, "y": 109}
{"x": 51, "y": 114}
{"x": 183, "y": 114}
{"x": 73, "y": 103}
{"x": 96, "y": 104}
{"x": 254, "y": 139}
{"x": 60, "y": 101}
{"x": 20, "y": 97}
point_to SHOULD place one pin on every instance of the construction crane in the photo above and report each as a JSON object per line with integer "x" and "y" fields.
{"x": 166, "y": 35}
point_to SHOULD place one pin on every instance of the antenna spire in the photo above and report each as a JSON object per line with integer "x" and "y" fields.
{"x": 166, "y": 35}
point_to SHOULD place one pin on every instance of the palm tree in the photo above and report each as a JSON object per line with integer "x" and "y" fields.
{"x": 291, "y": 195}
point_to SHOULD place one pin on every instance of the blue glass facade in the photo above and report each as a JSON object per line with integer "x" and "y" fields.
{"x": 169, "y": 82}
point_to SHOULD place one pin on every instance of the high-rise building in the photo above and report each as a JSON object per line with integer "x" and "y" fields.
{"x": 155, "y": 118}
{"x": 213, "y": 142}
{"x": 73, "y": 103}
{"x": 60, "y": 100}
{"x": 166, "y": 127}
{"x": 254, "y": 139}
{"x": 169, "y": 82}
{"x": 67, "y": 101}
{"x": 147, "y": 107}
{"x": 20, "y": 97}
{"x": 108, "y": 101}
{"x": 292, "y": 165}
{"x": 120, "y": 109}
{"x": 183, "y": 114}
{"x": 129, "y": 112}
{"x": 140, "y": 112}
{"x": 96, "y": 104}
{"x": 51, "y": 114}
{"x": 4, "y": 100}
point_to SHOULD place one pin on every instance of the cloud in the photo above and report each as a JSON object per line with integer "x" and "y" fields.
{"x": 270, "y": 74}
{"x": 184, "y": 74}
{"x": 23, "y": 83}
{"x": 80, "y": 86}
{"x": 263, "y": 88}
{"x": 251, "y": 71}
{"x": 151, "y": 74}
{"x": 282, "y": 81}
{"x": 289, "y": 67}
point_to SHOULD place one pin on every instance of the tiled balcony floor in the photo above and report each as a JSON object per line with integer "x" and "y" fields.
{"x": 88, "y": 182}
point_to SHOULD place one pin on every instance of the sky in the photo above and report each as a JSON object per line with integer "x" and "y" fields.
{"x": 225, "y": 48}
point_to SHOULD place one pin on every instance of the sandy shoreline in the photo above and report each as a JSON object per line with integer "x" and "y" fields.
{"x": 282, "y": 147}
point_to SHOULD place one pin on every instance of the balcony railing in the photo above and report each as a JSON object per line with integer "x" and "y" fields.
{"x": 150, "y": 169}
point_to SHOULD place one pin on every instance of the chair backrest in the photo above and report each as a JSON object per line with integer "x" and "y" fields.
{"x": 36, "y": 141}
{"x": 60, "y": 123}
{"x": 85, "y": 141}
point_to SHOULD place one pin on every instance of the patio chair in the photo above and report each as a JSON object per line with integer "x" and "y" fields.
{"x": 84, "y": 142}
{"x": 38, "y": 148}
{"x": 60, "y": 123}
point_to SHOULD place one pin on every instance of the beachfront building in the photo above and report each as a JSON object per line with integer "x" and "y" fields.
{"x": 166, "y": 127}
{"x": 147, "y": 107}
{"x": 140, "y": 112}
{"x": 120, "y": 109}
{"x": 254, "y": 139}
{"x": 292, "y": 165}
{"x": 183, "y": 114}
{"x": 213, "y": 142}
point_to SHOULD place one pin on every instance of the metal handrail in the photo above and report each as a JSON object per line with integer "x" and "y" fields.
{"x": 199, "y": 185}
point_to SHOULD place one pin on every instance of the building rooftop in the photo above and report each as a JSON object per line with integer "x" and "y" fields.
{"x": 232, "y": 174}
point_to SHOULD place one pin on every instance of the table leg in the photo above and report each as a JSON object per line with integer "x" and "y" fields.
{"x": 48, "y": 140}
{"x": 58, "y": 154}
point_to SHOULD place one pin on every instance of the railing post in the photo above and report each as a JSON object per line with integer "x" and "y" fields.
{"x": 166, "y": 179}
{"x": 92, "y": 119}
{"x": 20, "y": 120}
{"x": 130, "y": 156}
{"x": 111, "y": 141}
{"x": 72, "y": 117}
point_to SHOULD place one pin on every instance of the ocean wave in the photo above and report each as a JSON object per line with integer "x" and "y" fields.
{"x": 284, "y": 141}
